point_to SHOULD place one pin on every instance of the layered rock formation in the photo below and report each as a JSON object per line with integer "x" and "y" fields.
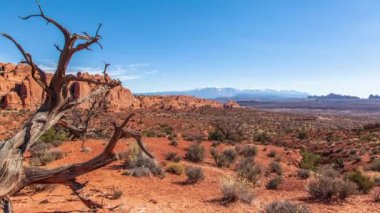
{"x": 18, "y": 91}
{"x": 175, "y": 102}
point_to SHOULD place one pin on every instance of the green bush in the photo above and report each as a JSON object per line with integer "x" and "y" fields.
{"x": 216, "y": 135}
{"x": 53, "y": 135}
{"x": 195, "y": 153}
{"x": 310, "y": 161}
{"x": 364, "y": 183}
{"x": 170, "y": 156}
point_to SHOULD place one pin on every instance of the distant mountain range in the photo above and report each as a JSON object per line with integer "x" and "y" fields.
{"x": 224, "y": 94}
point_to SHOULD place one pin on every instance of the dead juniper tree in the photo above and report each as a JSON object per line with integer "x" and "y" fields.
{"x": 14, "y": 175}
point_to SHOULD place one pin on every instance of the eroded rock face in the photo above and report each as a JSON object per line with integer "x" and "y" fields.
{"x": 18, "y": 91}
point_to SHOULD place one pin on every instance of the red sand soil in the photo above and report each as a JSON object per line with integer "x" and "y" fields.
{"x": 152, "y": 194}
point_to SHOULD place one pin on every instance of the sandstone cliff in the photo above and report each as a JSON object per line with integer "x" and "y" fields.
{"x": 18, "y": 90}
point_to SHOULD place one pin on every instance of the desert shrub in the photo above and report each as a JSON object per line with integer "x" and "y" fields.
{"x": 310, "y": 161}
{"x": 274, "y": 183}
{"x": 272, "y": 154}
{"x": 376, "y": 197}
{"x": 167, "y": 130}
{"x": 170, "y": 156}
{"x": 303, "y": 173}
{"x": 275, "y": 167}
{"x": 149, "y": 133}
{"x": 364, "y": 183}
{"x": 116, "y": 195}
{"x": 216, "y": 135}
{"x": 220, "y": 159}
{"x": 195, "y": 153}
{"x": 247, "y": 169}
{"x": 262, "y": 137}
{"x": 53, "y": 135}
{"x": 377, "y": 180}
{"x": 328, "y": 186}
{"x": 235, "y": 189}
{"x": 374, "y": 165}
{"x": 45, "y": 156}
{"x": 140, "y": 165}
{"x": 302, "y": 135}
{"x": 175, "y": 168}
{"x": 248, "y": 151}
{"x": 230, "y": 154}
{"x": 173, "y": 142}
{"x": 194, "y": 174}
{"x": 286, "y": 207}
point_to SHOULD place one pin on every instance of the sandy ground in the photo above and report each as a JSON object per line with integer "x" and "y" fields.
{"x": 153, "y": 194}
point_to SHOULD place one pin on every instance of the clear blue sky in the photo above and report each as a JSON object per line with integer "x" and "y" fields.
{"x": 316, "y": 46}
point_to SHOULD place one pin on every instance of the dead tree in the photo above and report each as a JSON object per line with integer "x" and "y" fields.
{"x": 14, "y": 175}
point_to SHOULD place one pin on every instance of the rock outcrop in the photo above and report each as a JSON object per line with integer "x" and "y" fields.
{"x": 175, "y": 102}
{"x": 18, "y": 91}
{"x": 231, "y": 105}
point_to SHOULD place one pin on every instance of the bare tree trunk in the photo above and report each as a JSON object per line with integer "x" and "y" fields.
{"x": 14, "y": 176}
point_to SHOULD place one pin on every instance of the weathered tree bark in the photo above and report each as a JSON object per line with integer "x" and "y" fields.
{"x": 14, "y": 176}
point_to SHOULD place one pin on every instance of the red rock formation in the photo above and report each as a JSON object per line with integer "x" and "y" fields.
{"x": 175, "y": 102}
{"x": 231, "y": 105}
{"x": 18, "y": 90}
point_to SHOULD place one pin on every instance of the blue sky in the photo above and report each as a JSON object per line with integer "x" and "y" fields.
{"x": 156, "y": 45}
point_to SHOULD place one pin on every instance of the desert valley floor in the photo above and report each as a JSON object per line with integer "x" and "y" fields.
{"x": 170, "y": 194}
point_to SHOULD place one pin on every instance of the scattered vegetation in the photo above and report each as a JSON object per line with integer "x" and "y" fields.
{"x": 329, "y": 186}
{"x": 195, "y": 153}
{"x": 234, "y": 189}
{"x": 247, "y": 169}
{"x": 286, "y": 207}
{"x": 194, "y": 174}
{"x": 248, "y": 151}
{"x": 309, "y": 160}
{"x": 275, "y": 167}
{"x": 364, "y": 183}
{"x": 274, "y": 183}
{"x": 175, "y": 168}
{"x": 303, "y": 173}
{"x": 138, "y": 164}
{"x": 224, "y": 159}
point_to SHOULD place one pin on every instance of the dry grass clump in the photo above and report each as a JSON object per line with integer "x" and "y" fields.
{"x": 175, "y": 168}
{"x": 234, "y": 189}
{"x": 286, "y": 207}
{"x": 140, "y": 165}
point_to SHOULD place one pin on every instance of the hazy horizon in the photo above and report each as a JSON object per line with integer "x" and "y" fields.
{"x": 318, "y": 47}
